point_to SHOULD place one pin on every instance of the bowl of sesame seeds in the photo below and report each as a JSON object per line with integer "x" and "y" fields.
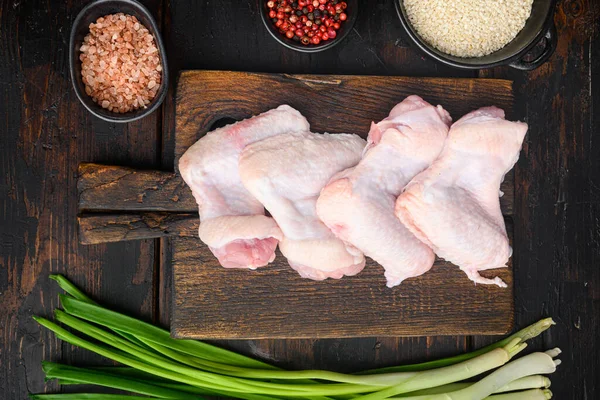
{"x": 117, "y": 60}
{"x": 475, "y": 34}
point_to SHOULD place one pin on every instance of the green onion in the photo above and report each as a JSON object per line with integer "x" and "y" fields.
{"x": 453, "y": 373}
{"x": 528, "y": 382}
{"x": 87, "y": 396}
{"x": 111, "y": 320}
{"x": 130, "y": 372}
{"x": 83, "y": 376}
{"x": 533, "y": 394}
{"x": 531, "y": 364}
{"x": 119, "y": 356}
{"x": 524, "y": 334}
{"x": 77, "y": 376}
{"x": 74, "y": 291}
{"x": 195, "y": 377}
{"x": 71, "y": 289}
{"x": 159, "y": 366}
{"x": 77, "y": 294}
{"x": 152, "y": 333}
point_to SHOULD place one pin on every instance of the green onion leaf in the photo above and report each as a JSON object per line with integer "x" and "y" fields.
{"x": 85, "y": 376}
{"x": 152, "y": 333}
{"x": 87, "y": 396}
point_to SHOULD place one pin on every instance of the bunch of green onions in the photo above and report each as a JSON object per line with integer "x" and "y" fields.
{"x": 155, "y": 366}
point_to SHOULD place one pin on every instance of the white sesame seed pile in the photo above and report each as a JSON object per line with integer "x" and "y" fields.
{"x": 468, "y": 28}
{"x": 120, "y": 63}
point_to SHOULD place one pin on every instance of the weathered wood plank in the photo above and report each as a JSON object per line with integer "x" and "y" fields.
{"x": 107, "y": 228}
{"x": 110, "y": 188}
{"x": 275, "y": 302}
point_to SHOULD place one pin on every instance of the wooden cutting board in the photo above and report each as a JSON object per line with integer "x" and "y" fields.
{"x": 211, "y": 302}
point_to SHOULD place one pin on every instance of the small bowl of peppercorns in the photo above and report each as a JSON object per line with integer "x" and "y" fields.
{"x": 309, "y": 26}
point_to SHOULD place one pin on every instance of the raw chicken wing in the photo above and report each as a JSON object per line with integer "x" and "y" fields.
{"x": 232, "y": 221}
{"x": 286, "y": 173}
{"x": 453, "y": 206}
{"x": 358, "y": 204}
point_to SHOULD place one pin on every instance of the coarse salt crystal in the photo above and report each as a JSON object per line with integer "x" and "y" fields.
{"x": 117, "y": 72}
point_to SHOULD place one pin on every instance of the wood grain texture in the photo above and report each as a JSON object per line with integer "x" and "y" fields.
{"x": 108, "y": 228}
{"x": 274, "y": 302}
{"x": 109, "y": 188}
{"x": 212, "y": 302}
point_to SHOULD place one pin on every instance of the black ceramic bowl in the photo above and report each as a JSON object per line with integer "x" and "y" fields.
{"x": 538, "y": 28}
{"x": 344, "y": 30}
{"x": 80, "y": 29}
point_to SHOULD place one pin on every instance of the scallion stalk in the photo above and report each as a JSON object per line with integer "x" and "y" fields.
{"x": 454, "y": 373}
{"x": 74, "y": 291}
{"x": 77, "y": 294}
{"x": 375, "y": 380}
{"x": 124, "y": 358}
{"x": 524, "y": 335}
{"x": 528, "y": 382}
{"x": 186, "y": 390}
{"x": 130, "y": 372}
{"x": 531, "y": 364}
{"x": 533, "y": 394}
{"x": 71, "y": 289}
{"x": 199, "y": 378}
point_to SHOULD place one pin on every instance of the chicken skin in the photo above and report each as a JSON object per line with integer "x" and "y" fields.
{"x": 454, "y": 206}
{"x": 358, "y": 203}
{"x": 286, "y": 174}
{"x": 232, "y": 221}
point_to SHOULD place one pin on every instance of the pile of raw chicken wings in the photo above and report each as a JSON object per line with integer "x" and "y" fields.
{"x": 419, "y": 186}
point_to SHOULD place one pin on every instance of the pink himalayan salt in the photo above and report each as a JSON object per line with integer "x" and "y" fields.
{"x": 120, "y": 65}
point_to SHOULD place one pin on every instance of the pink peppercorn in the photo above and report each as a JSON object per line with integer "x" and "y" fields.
{"x": 307, "y": 21}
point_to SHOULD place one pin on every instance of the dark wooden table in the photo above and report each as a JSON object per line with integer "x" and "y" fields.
{"x": 45, "y": 133}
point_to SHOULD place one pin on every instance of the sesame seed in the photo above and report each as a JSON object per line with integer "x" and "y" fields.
{"x": 468, "y": 28}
